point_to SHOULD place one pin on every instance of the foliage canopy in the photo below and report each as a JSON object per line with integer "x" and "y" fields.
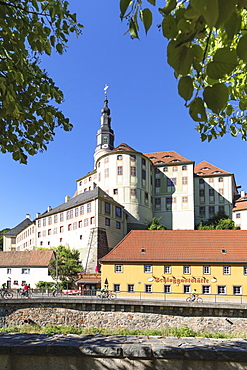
{"x": 218, "y": 222}
{"x": 155, "y": 224}
{"x": 68, "y": 264}
{"x": 28, "y": 116}
{"x": 207, "y": 49}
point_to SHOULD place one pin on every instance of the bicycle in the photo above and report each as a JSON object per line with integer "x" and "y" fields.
{"x": 107, "y": 294}
{"x": 6, "y": 294}
{"x": 197, "y": 299}
{"x": 26, "y": 294}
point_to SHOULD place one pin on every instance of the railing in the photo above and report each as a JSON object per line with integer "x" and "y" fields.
{"x": 137, "y": 295}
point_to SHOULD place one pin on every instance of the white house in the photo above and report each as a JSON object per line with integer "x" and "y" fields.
{"x": 26, "y": 267}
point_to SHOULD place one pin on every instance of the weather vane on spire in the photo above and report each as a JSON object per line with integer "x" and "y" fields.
{"x": 105, "y": 89}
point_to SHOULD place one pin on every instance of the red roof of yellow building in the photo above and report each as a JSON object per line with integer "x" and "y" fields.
{"x": 181, "y": 246}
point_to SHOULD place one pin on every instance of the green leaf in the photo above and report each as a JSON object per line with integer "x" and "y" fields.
{"x": 233, "y": 25}
{"x": 59, "y": 48}
{"x": 124, "y": 4}
{"x": 197, "y": 110}
{"x": 224, "y": 62}
{"x": 133, "y": 29}
{"x": 185, "y": 87}
{"x": 153, "y": 2}
{"x": 226, "y": 8}
{"x": 242, "y": 48}
{"x": 171, "y": 4}
{"x": 216, "y": 97}
{"x": 209, "y": 9}
{"x": 180, "y": 58}
{"x": 169, "y": 27}
{"x": 243, "y": 103}
{"x": 147, "y": 18}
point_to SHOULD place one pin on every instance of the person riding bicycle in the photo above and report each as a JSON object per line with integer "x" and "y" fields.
{"x": 26, "y": 290}
{"x": 3, "y": 289}
{"x": 54, "y": 290}
{"x": 104, "y": 291}
{"x": 194, "y": 294}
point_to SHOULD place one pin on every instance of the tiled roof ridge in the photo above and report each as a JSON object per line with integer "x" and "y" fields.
{"x": 18, "y": 228}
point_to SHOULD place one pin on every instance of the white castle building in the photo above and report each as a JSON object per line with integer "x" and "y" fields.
{"x": 124, "y": 191}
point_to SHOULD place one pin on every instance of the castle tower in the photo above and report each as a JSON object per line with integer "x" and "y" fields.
{"x": 105, "y": 135}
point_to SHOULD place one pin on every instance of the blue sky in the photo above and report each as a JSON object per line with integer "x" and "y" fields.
{"x": 147, "y": 113}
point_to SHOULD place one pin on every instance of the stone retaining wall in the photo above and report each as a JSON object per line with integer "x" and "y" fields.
{"x": 85, "y": 352}
{"x": 87, "y": 313}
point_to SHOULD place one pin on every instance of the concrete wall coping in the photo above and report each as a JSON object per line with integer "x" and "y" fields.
{"x": 119, "y": 346}
{"x": 127, "y": 302}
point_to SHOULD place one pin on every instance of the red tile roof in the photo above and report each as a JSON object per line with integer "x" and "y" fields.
{"x": 181, "y": 246}
{"x": 240, "y": 204}
{"x": 170, "y": 157}
{"x": 207, "y": 169}
{"x": 124, "y": 147}
{"x": 37, "y": 258}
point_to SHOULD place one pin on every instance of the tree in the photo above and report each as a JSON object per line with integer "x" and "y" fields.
{"x": 1, "y": 237}
{"x": 155, "y": 224}
{"x": 68, "y": 264}
{"x": 28, "y": 118}
{"x": 208, "y": 51}
{"x": 218, "y": 222}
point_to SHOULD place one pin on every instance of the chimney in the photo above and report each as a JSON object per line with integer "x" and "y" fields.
{"x": 67, "y": 198}
{"x": 242, "y": 193}
{"x": 49, "y": 208}
{"x": 37, "y": 214}
{"x": 28, "y": 216}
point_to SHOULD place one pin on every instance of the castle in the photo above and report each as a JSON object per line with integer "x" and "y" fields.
{"x": 124, "y": 191}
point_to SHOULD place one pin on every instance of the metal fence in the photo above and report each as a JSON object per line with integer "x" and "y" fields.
{"x": 137, "y": 295}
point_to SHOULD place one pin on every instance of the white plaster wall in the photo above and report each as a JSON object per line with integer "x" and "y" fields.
{"x": 242, "y": 221}
{"x": 36, "y": 274}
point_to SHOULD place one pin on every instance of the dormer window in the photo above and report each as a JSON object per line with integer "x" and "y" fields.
{"x": 204, "y": 168}
{"x": 217, "y": 172}
{"x": 175, "y": 160}
{"x": 119, "y": 157}
{"x": 143, "y": 250}
{"x": 199, "y": 173}
{"x": 223, "y": 251}
{"x": 167, "y": 156}
{"x": 153, "y": 158}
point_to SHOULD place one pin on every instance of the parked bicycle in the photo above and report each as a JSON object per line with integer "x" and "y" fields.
{"x": 196, "y": 299}
{"x": 106, "y": 294}
{"x": 6, "y": 294}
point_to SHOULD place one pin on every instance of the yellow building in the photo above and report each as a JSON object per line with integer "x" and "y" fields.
{"x": 170, "y": 264}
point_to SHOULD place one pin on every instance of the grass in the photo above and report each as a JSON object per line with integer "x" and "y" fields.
{"x": 184, "y": 331}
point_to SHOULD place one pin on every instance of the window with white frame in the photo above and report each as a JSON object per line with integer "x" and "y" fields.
{"x": 131, "y": 288}
{"x": 116, "y": 288}
{"x": 226, "y": 270}
{"x": 167, "y": 269}
{"x": 206, "y": 289}
{"x": 186, "y": 289}
{"x": 206, "y": 270}
{"x": 25, "y": 271}
{"x": 245, "y": 270}
{"x": 237, "y": 290}
{"x": 148, "y": 268}
{"x": 61, "y": 217}
{"x": 167, "y": 289}
{"x": 8, "y": 271}
{"x": 148, "y": 288}
{"x": 118, "y": 268}
{"x": 221, "y": 289}
{"x": 186, "y": 269}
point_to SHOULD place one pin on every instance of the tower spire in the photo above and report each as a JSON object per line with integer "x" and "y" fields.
{"x": 105, "y": 135}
